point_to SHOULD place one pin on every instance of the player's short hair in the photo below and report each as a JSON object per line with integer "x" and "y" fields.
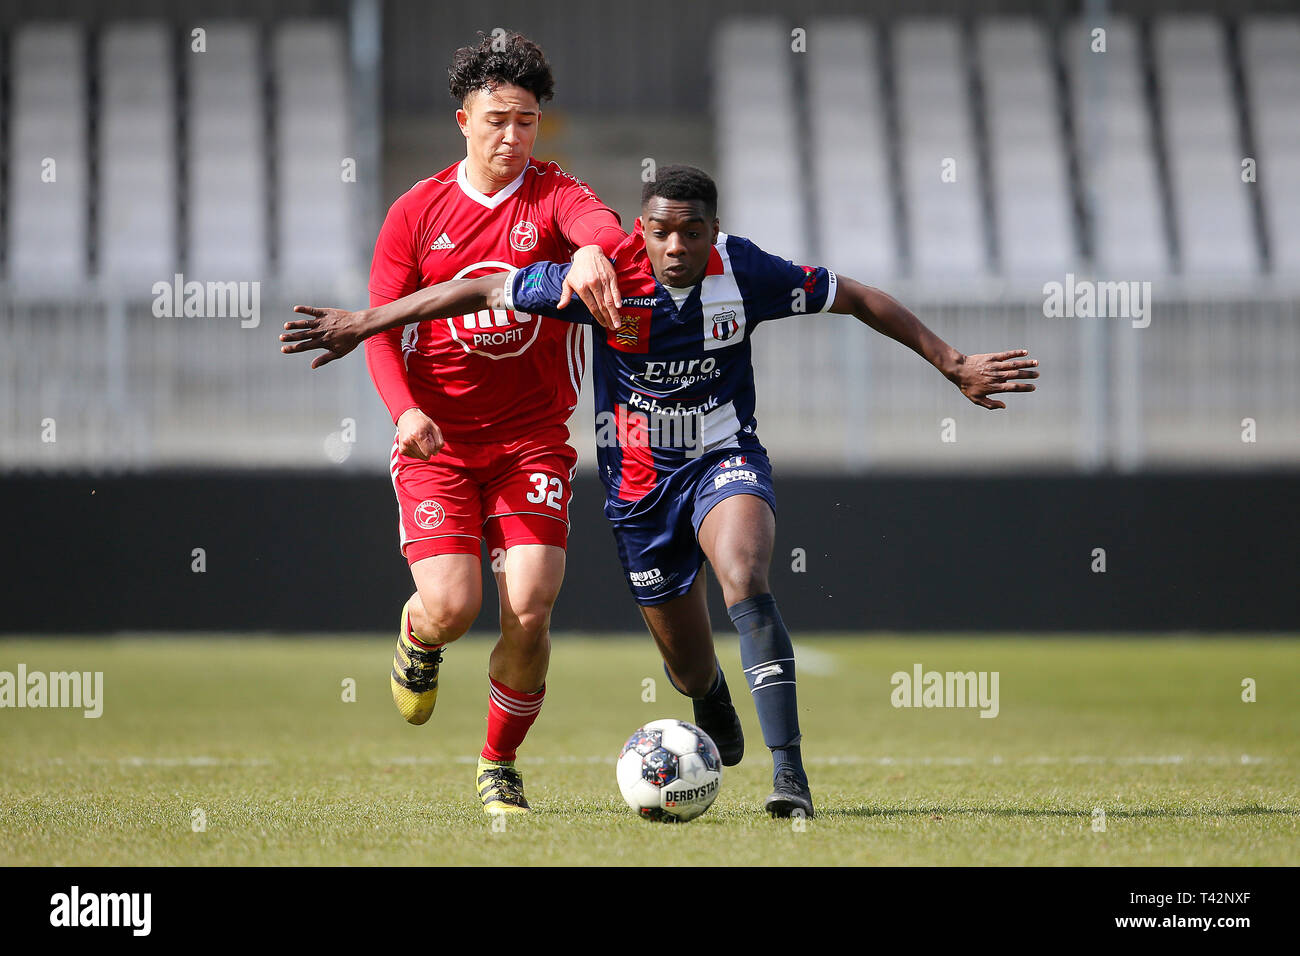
{"x": 498, "y": 60}
{"x": 684, "y": 183}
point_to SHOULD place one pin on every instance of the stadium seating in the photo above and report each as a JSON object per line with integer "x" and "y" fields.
{"x": 1117, "y": 156}
{"x": 137, "y": 156}
{"x": 936, "y": 123}
{"x": 227, "y": 158}
{"x": 48, "y": 159}
{"x": 1271, "y": 61}
{"x": 758, "y": 135}
{"x": 310, "y": 60}
{"x": 1211, "y": 204}
{"x": 850, "y": 172}
{"x": 1031, "y": 192}
{"x": 228, "y": 165}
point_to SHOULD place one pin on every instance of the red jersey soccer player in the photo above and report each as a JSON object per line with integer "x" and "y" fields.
{"x": 676, "y": 495}
{"x": 480, "y": 401}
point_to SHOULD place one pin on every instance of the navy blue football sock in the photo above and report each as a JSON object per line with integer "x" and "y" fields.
{"x": 768, "y": 658}
{"x": 718, "y": 690}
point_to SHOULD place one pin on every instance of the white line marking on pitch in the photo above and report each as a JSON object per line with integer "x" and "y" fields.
{"x": 810, "y": 660}
{"x": 828, "y": 760}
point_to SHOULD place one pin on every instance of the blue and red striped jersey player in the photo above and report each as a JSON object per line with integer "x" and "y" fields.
{"x": 678, "y": 450}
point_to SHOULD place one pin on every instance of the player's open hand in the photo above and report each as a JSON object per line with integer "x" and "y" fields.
{"x": 979, "y": 376}
{"x": 417, "y": 435}
{"x": 335, "y": 331}
{"x": 593, "y": 280}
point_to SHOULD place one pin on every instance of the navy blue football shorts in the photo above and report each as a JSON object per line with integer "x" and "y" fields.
{"x": 658, "y": 536}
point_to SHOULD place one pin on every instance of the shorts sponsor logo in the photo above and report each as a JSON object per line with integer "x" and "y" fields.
{"x": 727, "y": 477}
{"x": 646, "y": 579}
{"x": 523, "y": 236}
{"x": 429, "y": 514}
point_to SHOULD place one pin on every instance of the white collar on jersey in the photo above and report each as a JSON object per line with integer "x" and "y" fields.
{"x": 491, "y": 202}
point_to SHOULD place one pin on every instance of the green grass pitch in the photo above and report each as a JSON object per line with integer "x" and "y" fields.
{"x": 252, "y": 737}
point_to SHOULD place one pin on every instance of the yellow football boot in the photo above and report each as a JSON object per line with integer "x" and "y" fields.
{"x": 415, "y": 675}
{"x": 501, "y": 787}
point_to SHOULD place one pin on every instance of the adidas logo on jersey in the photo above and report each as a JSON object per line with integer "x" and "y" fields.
{"x": 442, "y": 243}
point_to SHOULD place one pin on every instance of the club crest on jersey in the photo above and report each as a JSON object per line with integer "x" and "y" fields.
{"x": 633, "y": 333}
{"x": 809, "y": 279}
{"x": 429, "y": 514}
{"x": 735, "y": 462}
{"x": 725, "y": 325}
{"x": 523, "y": 236}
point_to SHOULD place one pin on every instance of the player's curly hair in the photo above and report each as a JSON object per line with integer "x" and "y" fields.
{"x": 503, "y": 58}
{"x": 683, "y": 183}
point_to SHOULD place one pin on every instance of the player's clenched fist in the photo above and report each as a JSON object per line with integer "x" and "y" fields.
{"x": 417, "y": 435}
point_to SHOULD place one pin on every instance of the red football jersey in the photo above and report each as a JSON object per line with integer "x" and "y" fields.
{"x": 493, "y": 375}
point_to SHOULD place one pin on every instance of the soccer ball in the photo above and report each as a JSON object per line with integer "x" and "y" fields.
{"x": 669, "y": 771}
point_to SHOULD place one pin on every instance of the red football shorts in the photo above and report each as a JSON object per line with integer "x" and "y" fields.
{"x": 501, "y": 493}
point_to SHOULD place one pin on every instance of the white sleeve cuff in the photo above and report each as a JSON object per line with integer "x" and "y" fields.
{"x": 831, "y": 284}
{"x": 510, "y": 285}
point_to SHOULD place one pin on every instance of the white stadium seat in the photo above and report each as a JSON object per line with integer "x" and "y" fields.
{"x": 1116, "y": 142}
{"x": 1026, "y": 153}
{"x": 934, "y": 112}
{"x": 1270, "y": 53}
{"x": 315, "y": 239}
{"x": 1212, "y": 205}
{"x": 850, "y": 168}
{"x": 48, "y": 219}
{"x": 227, "y": 168}
{"x": 137, "y": 155}
{"x": 759, "y": 175}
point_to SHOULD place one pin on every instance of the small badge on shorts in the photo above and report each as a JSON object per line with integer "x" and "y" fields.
{"x": 734, "y": 462}
{"x": 429, "y": 514}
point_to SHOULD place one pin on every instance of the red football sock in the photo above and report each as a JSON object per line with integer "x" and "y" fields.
{"x": 510, "y": 714}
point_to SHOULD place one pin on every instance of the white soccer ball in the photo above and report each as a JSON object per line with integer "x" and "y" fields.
{"x": 669, "y": 771}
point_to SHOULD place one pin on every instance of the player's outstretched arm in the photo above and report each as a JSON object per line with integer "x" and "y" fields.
{"x": 338, "y": 331}
{"x": 978, "y": 376}
{"x": 593, "y": 279}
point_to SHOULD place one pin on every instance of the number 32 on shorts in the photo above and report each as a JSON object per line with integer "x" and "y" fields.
{"x": 549, "y": 489}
